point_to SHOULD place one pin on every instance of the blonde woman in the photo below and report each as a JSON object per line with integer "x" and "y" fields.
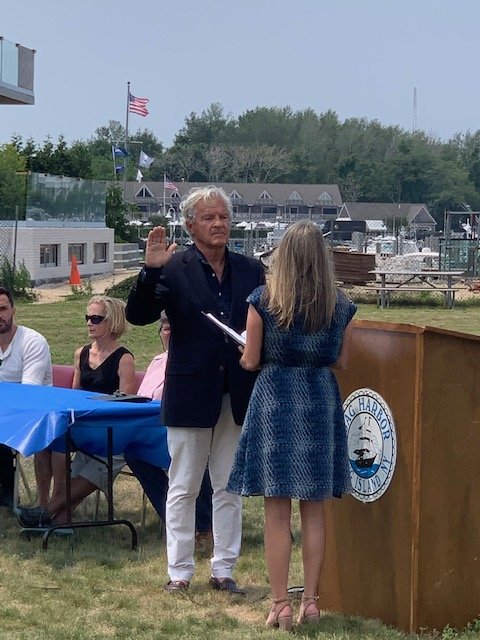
{"x": 105, "y": 366}
{"x": 293, "y": 442}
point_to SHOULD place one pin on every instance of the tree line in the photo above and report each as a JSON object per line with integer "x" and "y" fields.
{"x": 370, "y": 162}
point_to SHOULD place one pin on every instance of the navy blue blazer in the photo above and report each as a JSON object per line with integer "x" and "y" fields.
{"x": 199, "y": 355}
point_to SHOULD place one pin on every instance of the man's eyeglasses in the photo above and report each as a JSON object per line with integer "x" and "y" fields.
{"x": 94, "y": 319}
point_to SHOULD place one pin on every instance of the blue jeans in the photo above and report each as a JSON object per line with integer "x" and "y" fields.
{"x": 154, "y": 481}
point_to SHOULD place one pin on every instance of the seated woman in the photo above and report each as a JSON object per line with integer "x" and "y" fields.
{"x": 153, "y": 479}
{"x": 105, "y": 366}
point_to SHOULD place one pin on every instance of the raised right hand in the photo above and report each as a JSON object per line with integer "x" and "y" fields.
{"x": 157, "y": 251}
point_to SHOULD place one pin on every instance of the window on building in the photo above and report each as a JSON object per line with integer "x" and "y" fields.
{"x": 265, "y": 196}
{"x": 270, "y": 210}
{"x": 77, "y": 250}
{"x": 295, "y": 197}
{"x": 49, "y": 255}
{"x": 326, "y": 198}
{"x": 234, "y": 195}
{"x": 144, "y": 192}
{"x": 100, "y": 252}
{"x": 330, "y": 211}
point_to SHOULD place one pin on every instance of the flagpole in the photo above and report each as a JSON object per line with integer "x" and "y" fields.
{"x": 125, "y": 160}
{"x": 164, "y": 207}
{"x": 114, "y": 162}
{"x": 164, "y": 203}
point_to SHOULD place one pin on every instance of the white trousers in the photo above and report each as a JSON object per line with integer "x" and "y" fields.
{"x": 191, "y": 448}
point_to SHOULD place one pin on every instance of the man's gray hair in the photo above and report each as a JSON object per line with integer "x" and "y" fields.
{"x": 202, "y": 194}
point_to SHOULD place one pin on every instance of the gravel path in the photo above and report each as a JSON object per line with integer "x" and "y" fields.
{"x": 60, "y": 290}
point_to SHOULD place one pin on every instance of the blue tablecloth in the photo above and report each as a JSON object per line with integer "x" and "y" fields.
{"x": 33, "y": 418}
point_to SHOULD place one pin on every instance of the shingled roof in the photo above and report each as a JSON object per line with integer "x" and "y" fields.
{"x": 417, "y": 212}
{"x": 251, "y": 193}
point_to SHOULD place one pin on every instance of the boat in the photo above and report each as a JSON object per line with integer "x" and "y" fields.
{"x": 366, "y": 448}
{"x": 389, "y": 244}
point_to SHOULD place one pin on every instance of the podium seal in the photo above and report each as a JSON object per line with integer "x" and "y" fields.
{"x": 372, "y": 443}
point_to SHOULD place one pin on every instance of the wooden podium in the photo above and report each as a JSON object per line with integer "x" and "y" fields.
{"x": 412, "y": 557}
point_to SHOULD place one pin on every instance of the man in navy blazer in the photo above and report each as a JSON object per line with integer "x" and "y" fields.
{"x": 206, "y": 392}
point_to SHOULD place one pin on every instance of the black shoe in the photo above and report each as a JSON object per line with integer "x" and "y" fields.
{"x": 226, "y": 584}
{"x": 33, "y": 517}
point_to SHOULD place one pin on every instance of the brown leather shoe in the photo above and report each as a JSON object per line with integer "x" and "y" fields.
{"x": 177, "y": 585}
{"x": 226, "y": 584}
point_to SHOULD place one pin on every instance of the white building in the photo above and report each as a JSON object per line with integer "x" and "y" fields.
{"x": 46, "y": 251}
{"x": 63, "y": 217}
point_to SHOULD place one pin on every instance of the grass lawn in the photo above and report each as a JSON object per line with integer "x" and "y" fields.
{"x": 92, "y": 587}
{"x": 63, "y": 324}
{"x": 465, "y": 319}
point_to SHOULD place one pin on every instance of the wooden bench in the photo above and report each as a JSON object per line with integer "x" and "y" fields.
{"x": 387, "y": 290}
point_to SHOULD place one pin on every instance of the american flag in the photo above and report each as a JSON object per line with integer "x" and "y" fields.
{"x": 137, "y": 105}
{"x": 167, "y": 184}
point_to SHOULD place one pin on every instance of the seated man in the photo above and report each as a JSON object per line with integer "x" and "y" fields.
{"x": 153, "y": 479}
{"x": 24, "y": 357}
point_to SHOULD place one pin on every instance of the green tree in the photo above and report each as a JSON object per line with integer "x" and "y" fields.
{"x": 271, "y": 126}
{"x": 208, "y": 128}
{"x": 12, "y": 182}
{"x": 116, "y": 213}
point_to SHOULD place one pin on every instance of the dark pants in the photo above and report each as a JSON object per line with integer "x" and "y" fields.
{"x": 154, "y": 481}
{"x": 7, "y": 473}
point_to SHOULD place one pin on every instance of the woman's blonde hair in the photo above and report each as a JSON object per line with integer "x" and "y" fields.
{"x": 114, "y": 311}
{"x": 301, "y": 280}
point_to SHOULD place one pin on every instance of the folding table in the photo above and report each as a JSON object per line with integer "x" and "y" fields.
{"x": 33, "y": 418}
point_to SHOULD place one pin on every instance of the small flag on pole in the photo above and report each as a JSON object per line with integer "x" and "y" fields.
{"x": 145, "y": 161}
{"x": 139, "y": 175}
{"x": 118, "y": 152}
{"x": 138, "y": 105}
{"x": 167, "y": 184}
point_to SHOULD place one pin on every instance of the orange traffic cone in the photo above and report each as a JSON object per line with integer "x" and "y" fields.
{"x": 74, "y": 272}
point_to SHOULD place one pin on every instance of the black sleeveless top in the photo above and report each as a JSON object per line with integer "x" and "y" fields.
{"x": 105, "y": 377}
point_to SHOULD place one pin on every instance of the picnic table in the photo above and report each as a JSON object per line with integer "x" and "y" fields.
{"x": 417, "y": 280}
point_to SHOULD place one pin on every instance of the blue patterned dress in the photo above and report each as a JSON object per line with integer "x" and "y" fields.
{"x": 293, "y": 442}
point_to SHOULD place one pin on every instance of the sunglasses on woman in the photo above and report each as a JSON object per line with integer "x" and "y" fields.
{"x": 94, "y": 319}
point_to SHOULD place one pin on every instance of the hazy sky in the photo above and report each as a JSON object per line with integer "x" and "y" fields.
{"x": 361, "y": 58}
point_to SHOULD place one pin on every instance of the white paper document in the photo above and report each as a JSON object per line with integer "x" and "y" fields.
{"x": 228, "y": 331}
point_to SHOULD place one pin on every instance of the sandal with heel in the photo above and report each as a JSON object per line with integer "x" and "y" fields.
{"x": 308, "y": 610}
{"x": 280, "y": 615}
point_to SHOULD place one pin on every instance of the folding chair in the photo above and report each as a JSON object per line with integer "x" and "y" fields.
{"x": 20, "y": 476}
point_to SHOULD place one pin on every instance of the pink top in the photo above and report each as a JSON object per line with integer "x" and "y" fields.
{"x": 152, "y": 383}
